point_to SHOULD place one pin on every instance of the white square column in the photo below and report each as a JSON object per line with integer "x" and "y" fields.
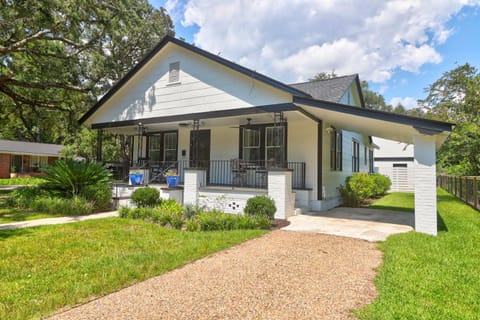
{"x": 280, "y": 190}
{"x": 425, "y": 184}
{"x": 193, "y": 181}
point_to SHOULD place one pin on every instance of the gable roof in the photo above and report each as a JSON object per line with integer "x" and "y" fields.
{"x": 33, "y": 148}
{"x": 227, "y": 63}
{"x": 332, "y": 89}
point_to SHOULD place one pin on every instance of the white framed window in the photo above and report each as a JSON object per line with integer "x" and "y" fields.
{"x": 336, "y": 145}
{"x": 251, "y": 144}
{"x": 38, "y": 161}
{"x": 170, "y": 146}
{"x": 273, "y": 144}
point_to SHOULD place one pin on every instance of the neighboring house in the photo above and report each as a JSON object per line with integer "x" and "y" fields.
{"x": 233, "y": 133}
{"x": 395, "y": 160}
{"x": 26, "y": 158}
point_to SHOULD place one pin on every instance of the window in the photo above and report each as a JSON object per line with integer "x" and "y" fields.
{"x": 251, "y": 144}
{"x": 170, "y": 146}
{"x": 154, "y": 148}
{"x": 365, "y": 155}
{"x": 370, "y": 161}
{"x": 274, "y": 142}
{"x": 38, "y": 162}
{"x": 174, "y": 72}
{"x": 355, "y": 156}
{"x": 163, "y": 147}
{"x": 263, "y": 142}
{"x": 336, "y": 150}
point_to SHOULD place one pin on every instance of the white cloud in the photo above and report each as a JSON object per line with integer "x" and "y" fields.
{"x": 293, "y": 40}
{"x": 407, "y": 102}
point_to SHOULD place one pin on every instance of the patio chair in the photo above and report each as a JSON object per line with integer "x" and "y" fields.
{"x": 239, "y": 173}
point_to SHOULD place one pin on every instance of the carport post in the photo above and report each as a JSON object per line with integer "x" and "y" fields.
{"x": 425, "y": 184}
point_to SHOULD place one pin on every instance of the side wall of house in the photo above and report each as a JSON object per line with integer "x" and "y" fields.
{"x": 333, "y": 179}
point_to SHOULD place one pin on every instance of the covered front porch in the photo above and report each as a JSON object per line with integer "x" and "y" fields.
{"x": 238, "y": 155}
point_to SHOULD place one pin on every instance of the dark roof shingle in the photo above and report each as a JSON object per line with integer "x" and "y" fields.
{"x": 331, "y": 90}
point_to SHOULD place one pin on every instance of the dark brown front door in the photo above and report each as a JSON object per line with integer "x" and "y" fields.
{"x": 200, "y": 149}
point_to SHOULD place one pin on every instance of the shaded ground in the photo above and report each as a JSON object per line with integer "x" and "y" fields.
{"x": 282, "y": 275}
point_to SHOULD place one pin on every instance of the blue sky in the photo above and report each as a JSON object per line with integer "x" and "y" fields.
{"x": 399, "y": 46}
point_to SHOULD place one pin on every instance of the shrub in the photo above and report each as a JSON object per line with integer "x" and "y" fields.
{"x": 100, "y": 194}
{"x": 23, "y": 197}
{"x": 145, "y": 197}
{"x": 262, "y": 206}
{"x": 362, "y": 186}
{"x": 55, "y": 205}
{"x": 69, "y": 178}
{"x": 190, "y": 210}
{"x": 213, "y": 221}
{"x": 169, "y": 212}
{"x": 381, "y": 184}
{"x": 192, "y": 225}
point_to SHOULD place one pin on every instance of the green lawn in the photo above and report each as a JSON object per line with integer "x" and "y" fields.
{"x": 402, "y": 201}
{"x": 43, "y": 269}
{"x": 20, "y": 181}
{"x": 8, "y": 215}
{"x": 426, "y": 277}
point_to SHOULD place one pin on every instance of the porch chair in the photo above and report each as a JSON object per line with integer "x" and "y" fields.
{"x": 239, "y": 172}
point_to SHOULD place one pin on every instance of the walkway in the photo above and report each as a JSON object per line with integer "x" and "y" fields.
{"x": 282, "y": 275}
{"x": 60, "y": 220}
{"x": 360, "y": 223}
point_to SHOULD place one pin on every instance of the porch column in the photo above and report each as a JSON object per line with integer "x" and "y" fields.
{"x": 194, "y": 179}
{"x": 280, "y": 190}
{"x": 425, "y": 184}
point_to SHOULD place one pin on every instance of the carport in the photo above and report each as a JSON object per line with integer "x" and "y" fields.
{"x": 426, "y": 136}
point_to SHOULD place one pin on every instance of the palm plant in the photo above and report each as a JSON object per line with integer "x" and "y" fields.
{"x": 71, "y": 178}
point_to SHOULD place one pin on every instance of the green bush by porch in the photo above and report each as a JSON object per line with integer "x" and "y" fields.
{"x": 426, "y": 277}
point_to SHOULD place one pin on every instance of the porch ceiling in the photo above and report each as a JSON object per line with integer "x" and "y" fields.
{"x": 374, "y": 123}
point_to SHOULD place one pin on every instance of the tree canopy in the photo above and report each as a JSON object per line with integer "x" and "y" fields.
{"x": 58, "y": 56}
{"x": 455, "y": 97}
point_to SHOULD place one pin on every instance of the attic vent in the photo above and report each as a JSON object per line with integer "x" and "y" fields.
{"x": 174, "y": 73}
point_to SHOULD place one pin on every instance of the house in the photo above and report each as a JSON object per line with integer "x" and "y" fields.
{"x": 233, "y": 133}
{"x": 395, "y": 160}
{"x": 26, "y": 158}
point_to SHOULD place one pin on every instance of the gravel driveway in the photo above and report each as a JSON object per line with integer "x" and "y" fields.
{"x": 282, "y": 275}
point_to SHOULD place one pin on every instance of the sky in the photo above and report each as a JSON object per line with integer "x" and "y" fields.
{"x": 399, "y": 46}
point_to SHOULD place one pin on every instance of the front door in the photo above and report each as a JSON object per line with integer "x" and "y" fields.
{"x": 200, "y": 149}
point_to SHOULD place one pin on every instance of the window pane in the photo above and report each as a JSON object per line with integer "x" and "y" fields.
{"x": 170, "y": 146}
{"x": 251, "y": 138}
{"x": 274, "y": 136}
{"x": 154, "y": 148}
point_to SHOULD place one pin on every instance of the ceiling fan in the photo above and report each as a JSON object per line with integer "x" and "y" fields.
{"x": 244, "y": 125}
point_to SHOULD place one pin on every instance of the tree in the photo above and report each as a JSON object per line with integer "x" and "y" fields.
{"x": 455, "y": 97}
{"x": 60, "y": 55}
{"x": 324, "y": 76}
{"x": 374, "y": 100}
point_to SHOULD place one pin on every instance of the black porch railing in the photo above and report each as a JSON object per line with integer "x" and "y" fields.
{"x": 235, "y": 173}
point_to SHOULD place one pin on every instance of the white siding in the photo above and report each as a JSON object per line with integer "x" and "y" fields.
{"x": 204, "y": 86}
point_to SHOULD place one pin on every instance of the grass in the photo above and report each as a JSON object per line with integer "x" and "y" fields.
{"x": 43, "y": 269}
{"x": 20, "y": 181}
{"x": 400, "y": 201}
{"x": 8, "y": 215}
{"x": 426, "y": 277}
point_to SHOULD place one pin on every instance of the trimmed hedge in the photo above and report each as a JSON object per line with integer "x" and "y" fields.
{"x": 362, "y": 186}
{"x": 170, "y": 213}
{"x": 262, "y": 206}
{"x": 146, "y": 197}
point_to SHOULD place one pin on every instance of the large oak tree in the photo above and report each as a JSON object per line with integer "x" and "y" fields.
{"x": 58, "y": 56}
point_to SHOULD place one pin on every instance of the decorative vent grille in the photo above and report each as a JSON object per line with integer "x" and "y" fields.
{"x": 174, "y": 73}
